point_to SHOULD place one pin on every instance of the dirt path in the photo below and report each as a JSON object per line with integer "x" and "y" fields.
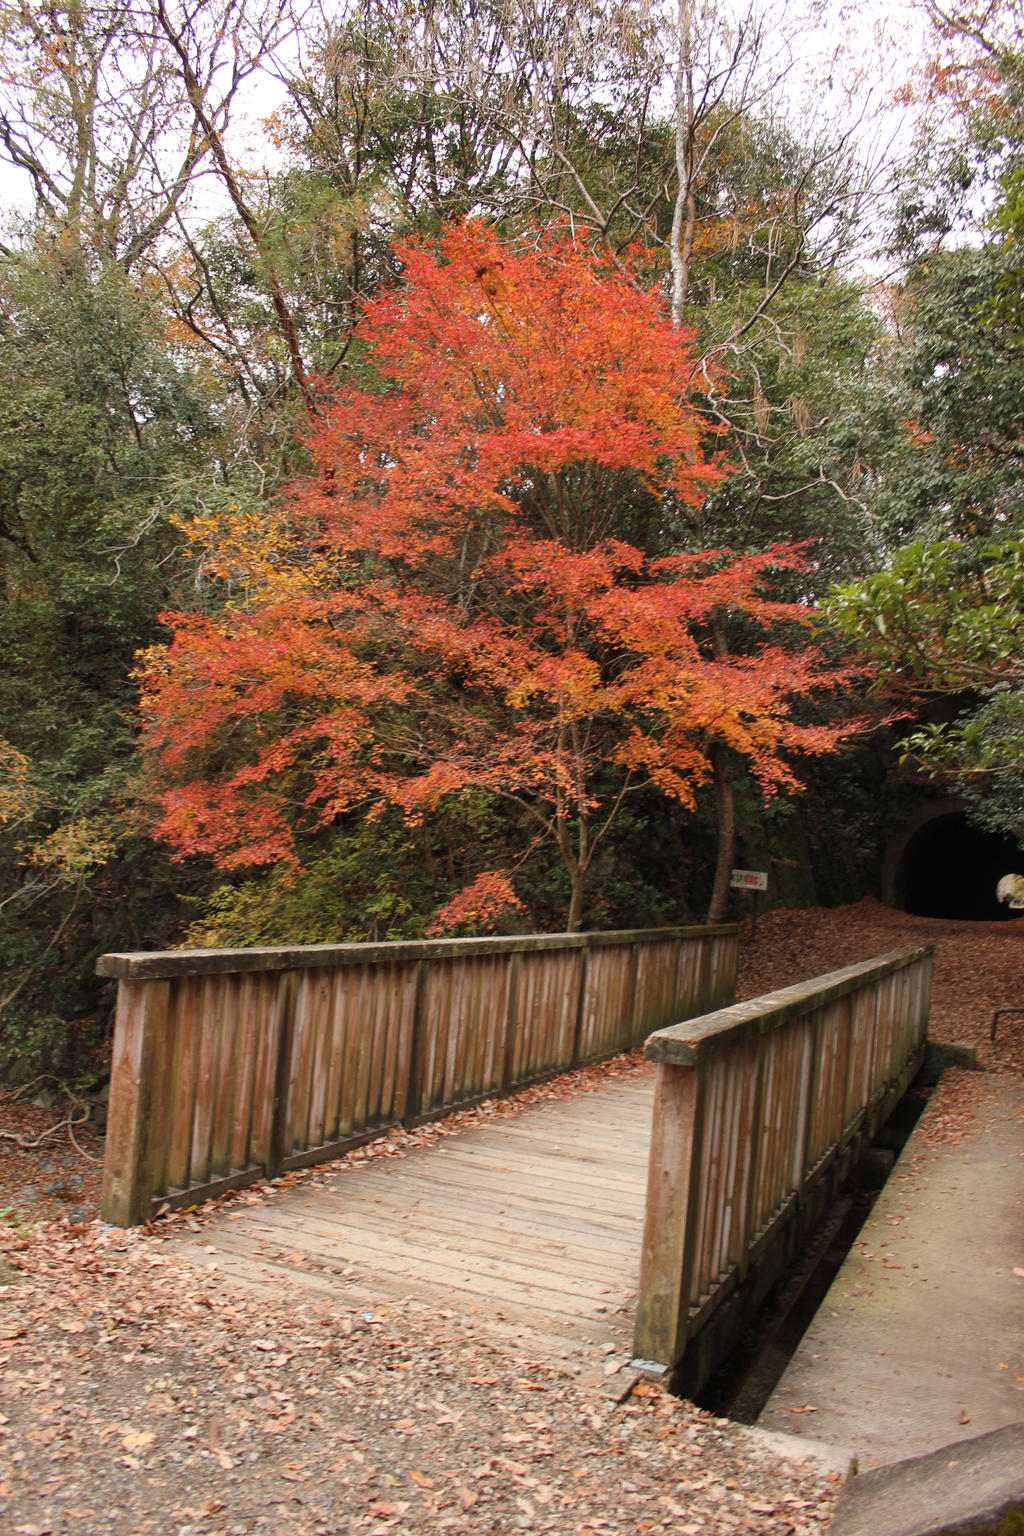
{"x": 138, "y": 1397}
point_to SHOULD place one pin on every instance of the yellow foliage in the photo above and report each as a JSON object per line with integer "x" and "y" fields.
{"x": 18, "y": 798}
{"x": 75, "y": 847}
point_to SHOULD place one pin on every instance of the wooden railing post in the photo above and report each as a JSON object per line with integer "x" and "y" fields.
{"x": 130, "y": 1178}
{"x": 667, "y": 1253}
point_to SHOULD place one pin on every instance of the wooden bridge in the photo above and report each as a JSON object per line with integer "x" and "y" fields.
{"x": 530, "y": 1227}
{"x": 573, "y": 1222}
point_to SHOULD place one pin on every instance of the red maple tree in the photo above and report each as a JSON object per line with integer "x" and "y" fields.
{"x": 471, "y": 591}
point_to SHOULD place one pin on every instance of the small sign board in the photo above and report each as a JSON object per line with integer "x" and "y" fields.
{"x": 749, "y": 880}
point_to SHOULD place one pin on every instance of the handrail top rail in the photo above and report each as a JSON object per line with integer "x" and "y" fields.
{"x": 695, "y": 1040}
{"x": 155, "y": 965}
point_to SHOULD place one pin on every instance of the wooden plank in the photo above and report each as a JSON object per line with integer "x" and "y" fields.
{"x": 465, "y": 1021}
{"x": 298, "y": 1083}
{"x": 487, "y": 1211}
{"x": 267, "y": 1020}
{"x": 588, "y": 1140}
{"x": 184, "y": 1021}
{"x": 430, "y": 1025}
{"x": 751, "y": 1193}
{"x": 405, "y": 1067}
{"x": 141, "y": 966}
{"x": 455, "y": 1223}
{"x": 334, "y": 1055}
{"x": 574, "y": 1173}
{"x": 563, "y": 1192}
{"x": 505, "y": 1051}
{"x": 364, "y": 1024}
{"x": 584, "y": 1146}
{"x": 320, "y": 1003}
{"x": 494, "y": 1066}
{"x": 375, "y": 1022}
{"x": 225, "y": 1087}
{"x": 357, "y": 1234}
{"x": 281, "y": 1008}
{"x": 496, "y": 1197}
{"x": 391, "y": 1040}
{"x": 463, "y": 1272}
{"x": 248, "y": 1027}
{"x": 353, "y": 990}
{"x": 491, "y": 1039}
{"x": 209, "y": 1013}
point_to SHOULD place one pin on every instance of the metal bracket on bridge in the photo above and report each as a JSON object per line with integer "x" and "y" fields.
{"x": 998, "y": 1015}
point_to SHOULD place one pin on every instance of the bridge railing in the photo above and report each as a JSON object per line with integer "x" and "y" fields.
{"x": 232, "y": 1065}
{"x": 760, "y": 1109}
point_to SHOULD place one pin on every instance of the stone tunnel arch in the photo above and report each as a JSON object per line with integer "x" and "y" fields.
{"x": 939, "y": 865}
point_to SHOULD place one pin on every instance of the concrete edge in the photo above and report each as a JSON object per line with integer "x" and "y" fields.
{"x": 814, "y": 1455}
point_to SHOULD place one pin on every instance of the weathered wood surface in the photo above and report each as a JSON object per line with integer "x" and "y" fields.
{"x": 231, "y": 1065}
{"x": 528, "y": 1227}
{"x": 759, "y": 1110}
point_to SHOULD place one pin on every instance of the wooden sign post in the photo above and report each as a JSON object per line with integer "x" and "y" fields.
{"x": 755, "y": 880}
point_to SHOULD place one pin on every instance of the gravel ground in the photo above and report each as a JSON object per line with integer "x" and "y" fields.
{"x": 137, "y": 1397}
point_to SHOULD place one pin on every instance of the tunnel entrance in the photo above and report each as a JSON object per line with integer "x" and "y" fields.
{"x": 950, "y": 869}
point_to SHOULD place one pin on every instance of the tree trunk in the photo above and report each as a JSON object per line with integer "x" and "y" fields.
{"x": 725, "y": 809}
{"x": 575, "y": 915}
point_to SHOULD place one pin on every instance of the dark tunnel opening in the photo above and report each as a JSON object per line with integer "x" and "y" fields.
{"x": 951, "y": 869}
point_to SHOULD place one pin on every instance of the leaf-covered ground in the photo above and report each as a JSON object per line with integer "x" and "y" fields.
{"x": 979, "y": 967}
{"x": 136, "y": 1400}
{"x": 137, "y": 1396}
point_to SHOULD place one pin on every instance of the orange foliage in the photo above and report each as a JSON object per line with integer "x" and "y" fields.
{"x": 447, "y": 604}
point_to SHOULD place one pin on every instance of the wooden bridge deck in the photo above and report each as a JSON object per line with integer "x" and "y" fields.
{"x": 530, "y": 1226}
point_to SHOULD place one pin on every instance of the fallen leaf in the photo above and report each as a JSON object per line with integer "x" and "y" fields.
{"x": 138, "y": 1442}
{"x": 422, "y": 1480}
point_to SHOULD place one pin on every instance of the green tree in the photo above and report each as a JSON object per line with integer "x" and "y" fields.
{"x": 942, "y": 616}
{"x": 97, "y": 428}
{"x": 946, "y": 619}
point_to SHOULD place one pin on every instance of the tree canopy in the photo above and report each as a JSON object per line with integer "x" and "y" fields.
{"x": 468, "y": 594}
